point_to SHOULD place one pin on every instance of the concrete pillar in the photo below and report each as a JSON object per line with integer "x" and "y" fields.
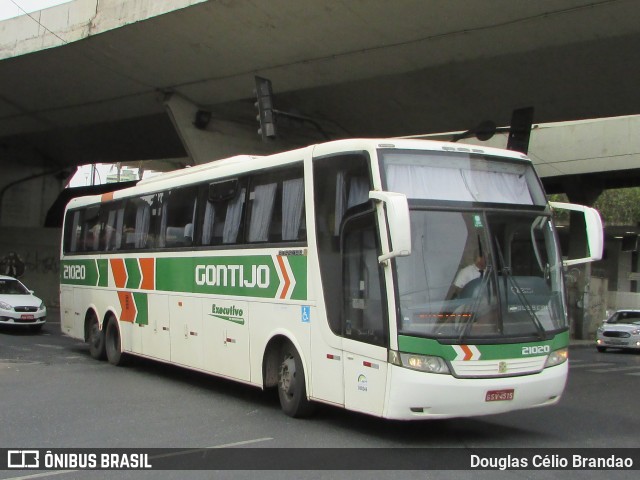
{"x": 579, "y": 293}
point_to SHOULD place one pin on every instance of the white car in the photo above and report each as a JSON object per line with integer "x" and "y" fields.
{"x": 19, "y": 306}
{"x": 620, "y": 330}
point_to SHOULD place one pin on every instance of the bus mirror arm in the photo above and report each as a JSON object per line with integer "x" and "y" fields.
{"x": 398, "y": 222}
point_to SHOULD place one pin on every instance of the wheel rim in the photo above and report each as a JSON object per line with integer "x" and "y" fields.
{"x": 288, "y": 376}
{"x": 115, "y": 338}
{"x": 94, "y": 334}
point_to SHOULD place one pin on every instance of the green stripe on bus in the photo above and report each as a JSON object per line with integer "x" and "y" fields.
{"x": 103, "y": 273}
{"x": 79, "y": 272}
{"x": 244, "y": 276}
{"x": 299, "y": 268}
{"x": 427, "y": 346}
{"x": 134, "y": 276}
{"x": 142, "y": 306}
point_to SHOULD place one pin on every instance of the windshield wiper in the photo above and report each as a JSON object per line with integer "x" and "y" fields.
{"x": 506, "y": 272}
{"x": 466, "y": 326}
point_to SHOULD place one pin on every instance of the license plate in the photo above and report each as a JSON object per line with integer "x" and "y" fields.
{"x": 616, "y": 342}
{"x": 499, "y": 395}
{"x": 26, "y": 317}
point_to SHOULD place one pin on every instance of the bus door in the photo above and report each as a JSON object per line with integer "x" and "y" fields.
{"x": 364, "y": 315}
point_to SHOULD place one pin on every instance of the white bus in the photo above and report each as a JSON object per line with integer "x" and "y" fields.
{"x": 331, "y": 273}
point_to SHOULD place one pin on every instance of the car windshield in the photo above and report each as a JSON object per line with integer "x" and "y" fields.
{"x": 625, "y": 317}
{"x": 10, "y": 286}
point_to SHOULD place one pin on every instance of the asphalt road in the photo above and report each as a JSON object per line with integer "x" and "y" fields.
{"x": 54, "y": 395}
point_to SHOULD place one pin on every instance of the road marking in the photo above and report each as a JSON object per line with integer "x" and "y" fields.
{"x": 615, "y": 369}
{"x": 590, "y": 365}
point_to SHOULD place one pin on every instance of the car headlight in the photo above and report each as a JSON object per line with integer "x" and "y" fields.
{"x": 5, "y": 306}
{"x": 41, "y": 307}
{"x": 422, "y": 363}
{"x": 635, "y": 332}
{"x": 557, "y": 357}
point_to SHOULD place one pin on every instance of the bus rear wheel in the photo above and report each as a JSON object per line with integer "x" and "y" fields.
{"x": 292, "y": 389}
{"x": 113, "y": 345}
{"x": 95, "y": 338}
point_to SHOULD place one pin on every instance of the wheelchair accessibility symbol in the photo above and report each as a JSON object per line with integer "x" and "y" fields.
{"x": 306, "y": 314}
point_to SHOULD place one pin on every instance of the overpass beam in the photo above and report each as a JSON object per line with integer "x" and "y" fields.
{"x": 206, "y": 138}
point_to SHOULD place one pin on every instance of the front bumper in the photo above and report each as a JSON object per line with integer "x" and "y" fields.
{"x": 632, "y": 342}
{"x": 23, "y": 319}
{"x": 415, "y": 395}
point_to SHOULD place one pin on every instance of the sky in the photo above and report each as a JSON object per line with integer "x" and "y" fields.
{"x": 12, "y": 8}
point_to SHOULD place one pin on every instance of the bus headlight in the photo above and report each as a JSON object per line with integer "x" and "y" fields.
{"x": 422, "y": 363}
{"x": 557, "y": 357}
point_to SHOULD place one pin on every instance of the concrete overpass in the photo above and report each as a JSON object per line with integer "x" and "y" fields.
{"x": 114, "y": 80}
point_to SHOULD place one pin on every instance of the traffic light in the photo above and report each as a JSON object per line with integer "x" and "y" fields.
{"x": 520, "y": 131}
{"x": 266, "y": 113}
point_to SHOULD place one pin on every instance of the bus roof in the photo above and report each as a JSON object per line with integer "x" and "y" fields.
{"x": 245, "y": 163}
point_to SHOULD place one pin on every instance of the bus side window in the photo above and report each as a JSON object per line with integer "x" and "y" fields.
{"x": 72, "y": 231}
{"x": 262, "y": 199}
{"x": 90, "y": 229}
{"x": 127, "y": 227}
{"x": 231, "y": 231}
{"x": 276, "y": 204}
{"x": 178, "y": 216}
{"x": 293, "y": 227}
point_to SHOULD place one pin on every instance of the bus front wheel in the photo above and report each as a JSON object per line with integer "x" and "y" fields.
{"x": 113, "y": 345}
{"x": 292, "y": 390}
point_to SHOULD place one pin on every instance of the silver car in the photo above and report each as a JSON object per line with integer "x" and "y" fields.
{"x": 621, "y": 330}
{"x": 19, "y": 306}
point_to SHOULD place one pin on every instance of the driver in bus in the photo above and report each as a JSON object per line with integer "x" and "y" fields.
{"x": 468, "y": 273}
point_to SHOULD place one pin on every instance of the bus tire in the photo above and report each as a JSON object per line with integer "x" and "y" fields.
{"x": 292, "y": 389}
{"x": 113, "y": 345}
{"x": 95, "y": 338}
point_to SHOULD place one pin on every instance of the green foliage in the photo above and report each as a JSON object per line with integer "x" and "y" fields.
{"x": 620, "y": 206}
{"x": 617, "y": 207}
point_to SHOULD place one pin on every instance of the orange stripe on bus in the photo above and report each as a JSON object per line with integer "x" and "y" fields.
{"x": 468, "y": 354}
{"x": 287, "y": 281}
{"x": 119, "y": 272}
{"x": 106, "y": 197}
{"x": 128, "y": 306}
{"x": 148, "y": 268}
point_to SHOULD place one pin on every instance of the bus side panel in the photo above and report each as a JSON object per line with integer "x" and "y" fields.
{"x": 225, "y": 327}
{"x": 186, "y": 330}
{"x": 273, "y": 319}
{"x": 67, "y": 312}
{"x": 157, "y": 341}
{"x": 327, "y": 383}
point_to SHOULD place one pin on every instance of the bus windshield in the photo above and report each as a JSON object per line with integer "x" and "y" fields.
{"x": 485, "y": 264}
{"x": 476, "y": 275}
